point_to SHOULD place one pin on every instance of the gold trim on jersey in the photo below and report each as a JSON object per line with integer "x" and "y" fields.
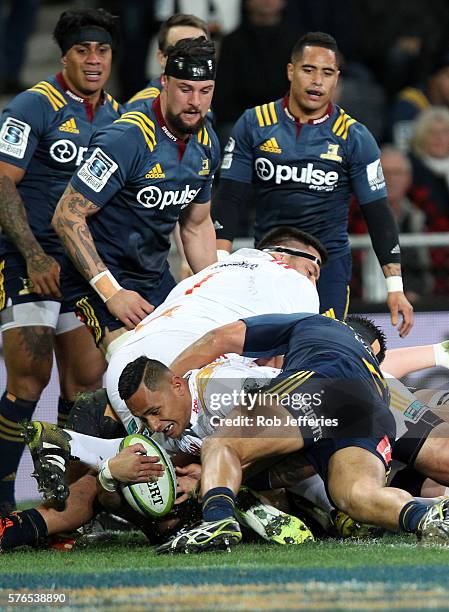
{"x": 415, "y": 96}
{"x": 271, "y": 146}
{"x": 348, "y": 299}
{"x": 2, "y": 285}
{"x": 90, "y": 318}
{"x": 397, "y": 400}
{"x": 342, "y": 124}
{"x": 144, "y": 123}
{"x": 155, "y": 172}
{"x": 266, "y": 114}
{"x": 203, "y": 137}
{"x": 69, "y": 126}
{"x": 288, "y": 384}
{"x": 115, "y": 104}
{"x": 145, "y": 94}
{"x": 329, "y": 313}
{"x": 54, "y": 96}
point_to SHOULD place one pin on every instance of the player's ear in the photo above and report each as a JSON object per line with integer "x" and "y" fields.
{"x": 290, "y": 71}
{"x": 178, "y": 384}
{"x": 64, "y": 60}
{"x": 164, "y": 80}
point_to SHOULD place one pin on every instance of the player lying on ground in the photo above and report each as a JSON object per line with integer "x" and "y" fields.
{"x": 346, "y": 433}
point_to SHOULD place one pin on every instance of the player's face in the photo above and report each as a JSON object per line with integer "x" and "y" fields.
{"x": 166, "y": 410}
{"x": 186, "y": 104}
{"x": 175, "y": 34}
{"x": 313, "y": 79}
{"x": 87, "y": 67}
{"x": 304, "y": 266}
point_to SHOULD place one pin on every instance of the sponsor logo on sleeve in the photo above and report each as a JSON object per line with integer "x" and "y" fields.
{"x": 375, "y": 175}
{"x": 227, "y": 157}
{"x": 97, "y": 170}
{"x": 14, "y": 137}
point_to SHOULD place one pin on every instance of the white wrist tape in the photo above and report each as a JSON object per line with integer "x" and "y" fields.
{"x": 222, "y": 254}
{"x": 394, "y": 283}
{"x": 441, "y": 352}
{"x": 105, "y": 285}
{"x": 107, "y": 481}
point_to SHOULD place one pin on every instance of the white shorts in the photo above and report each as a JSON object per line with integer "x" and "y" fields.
{"x": 38, "y": 314}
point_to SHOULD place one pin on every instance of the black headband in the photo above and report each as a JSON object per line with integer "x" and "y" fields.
{"x": 191, "y": 69}
{"x": 85, "y": 34}
{"x": 295, "y": 252}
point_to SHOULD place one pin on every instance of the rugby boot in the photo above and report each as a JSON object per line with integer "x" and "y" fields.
{"x": 207, "y": 536}
{"x": 433, "y": 528}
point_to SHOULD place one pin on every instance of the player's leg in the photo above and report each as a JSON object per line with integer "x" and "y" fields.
{"x": 32, "y": 527}
{"x": 402, "y": 361}
{"x": 433, "y": 456}
{"x": 28, "y": 334}
{"x": 333, "y": 287}
{"x": 80, "y": 364}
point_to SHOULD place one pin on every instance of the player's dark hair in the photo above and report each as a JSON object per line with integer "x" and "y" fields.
{"x": 285, "y": 235}
{"x": 197, "y": 48}
{"x": 369, "y": 331}
{"x": 73, "y": 20}
{"x": 180, "y": 19}
{"x": 314, "y": 39}
{"x": 142, "y": 369}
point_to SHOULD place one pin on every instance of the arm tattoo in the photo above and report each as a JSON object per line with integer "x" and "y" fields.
{"x": 71, "y": 226}
{"x": 14, "y": 221}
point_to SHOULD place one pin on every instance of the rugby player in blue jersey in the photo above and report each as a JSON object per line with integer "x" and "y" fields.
{"x": 177, "y": 27}
{"x": 331, "y": 400}
{"x": 152, "y": 167}
{"x": 44, "y": 133}
{"x": 304, "y": 157}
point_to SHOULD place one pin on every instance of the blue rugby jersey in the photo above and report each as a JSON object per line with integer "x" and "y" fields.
{"x": 46, "y": 131}
{"x": 304, "y": 174}
{"x": 314, "y": 343}
{"x": 151, "y": 91}
{"x": 142, "y": 177}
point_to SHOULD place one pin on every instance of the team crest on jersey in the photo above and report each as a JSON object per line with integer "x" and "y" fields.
{"x": 332, "y": 153}
{"x": 69, "y": 126}
{"x": 155, "y": 173}
{"x": 27, "y": 286}
{"x": 270, "y": 146}
{"x": 14, "y": 137}
{"x": 97, "y": 170}
{"x": 205, "y": 168}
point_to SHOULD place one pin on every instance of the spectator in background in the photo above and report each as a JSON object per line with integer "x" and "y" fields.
{"x": 430, "y": 190}
{"x": 15, "y": 28}
{"x": 251, "y": 62}
{"x": 412, "y": 100}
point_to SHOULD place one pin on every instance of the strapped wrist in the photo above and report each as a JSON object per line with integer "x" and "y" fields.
{"x": 105, "y": 285}
{"x": 394, "y": 283}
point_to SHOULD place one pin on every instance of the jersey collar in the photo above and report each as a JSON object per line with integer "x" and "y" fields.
{"x": 77, "y": 98}
{"x": 289, "y": 114}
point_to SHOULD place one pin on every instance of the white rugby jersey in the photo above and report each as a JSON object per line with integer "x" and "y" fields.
{"x": 247, "y": 283}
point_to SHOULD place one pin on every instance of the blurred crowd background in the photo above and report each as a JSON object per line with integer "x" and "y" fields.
{"x": 394, "y": 79}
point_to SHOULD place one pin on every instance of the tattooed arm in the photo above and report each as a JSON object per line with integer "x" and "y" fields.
{"x": 70, "y": 223}
{"x": 42, "y": 269}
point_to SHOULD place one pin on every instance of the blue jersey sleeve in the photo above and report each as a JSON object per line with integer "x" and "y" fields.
{"x": 205, "y": 194}
{"x": 269, "y": 335}
{"x": 22, "y": 125}
{"x": 365, "y": 169}
{"x": 237, "y": 163}
{"x": 111, "y": 161}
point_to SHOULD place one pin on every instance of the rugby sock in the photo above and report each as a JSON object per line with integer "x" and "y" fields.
{"x": 313, "y": 490}
{"x": 12, "y": 411}
{"x": 410, "y": 516}
{"x": 19, "y": 528}
{"x": 218, "y": 504}
{"x": 92, "y": 451}
{"x": 64, "y": 407}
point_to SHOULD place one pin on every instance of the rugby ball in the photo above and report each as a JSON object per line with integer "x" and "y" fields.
{"x": 153, "y": 499}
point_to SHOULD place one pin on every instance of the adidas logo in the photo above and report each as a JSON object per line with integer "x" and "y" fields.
{"x": 270, "y": 146}
{"x": 155, "y": 172}
{"x": 395, "y": 250}
{"x": 69, "y": 126}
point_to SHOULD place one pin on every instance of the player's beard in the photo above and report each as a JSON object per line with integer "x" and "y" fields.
{"x": 181, "y": 128}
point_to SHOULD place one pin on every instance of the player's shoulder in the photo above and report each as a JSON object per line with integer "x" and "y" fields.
{"x": 47, "y": 93}
{"x": 151, "y": 91}
{"x": 344, "y": 126}
{"x": 116, "y": 106}
{"x": 138, "y": 125}
{"x": 413, "y": 96}
{"x": 264, "y": 115}
{"x": 207, "y": 137}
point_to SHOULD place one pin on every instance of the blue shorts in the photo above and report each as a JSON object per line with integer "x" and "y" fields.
{"x": 91, "y": 309}
{"x": 333, "y": 286}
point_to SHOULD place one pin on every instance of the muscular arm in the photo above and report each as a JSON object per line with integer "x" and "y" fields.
{"x": 69, "y": 222}
{"x": 198, "y": 236}
{"x": 227, "y": 339}
{"x": 42, "y": 269}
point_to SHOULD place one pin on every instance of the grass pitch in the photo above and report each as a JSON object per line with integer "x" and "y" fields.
{"x": 124, "y": 573}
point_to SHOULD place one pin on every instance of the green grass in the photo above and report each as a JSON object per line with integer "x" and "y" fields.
{"x": 390, "y": 573}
